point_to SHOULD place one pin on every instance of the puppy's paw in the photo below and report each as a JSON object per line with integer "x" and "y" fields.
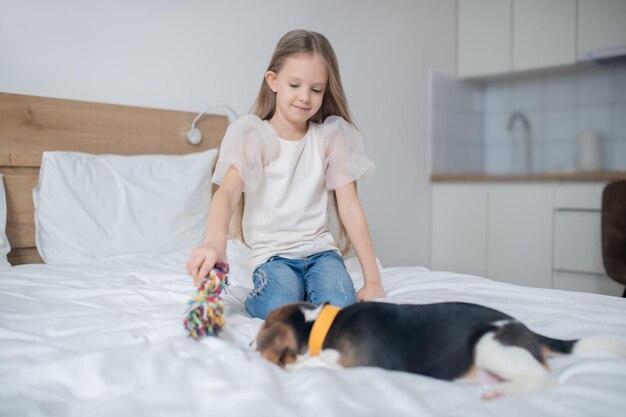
{"x": 492, "y": 394}
{"x": 328, "y": 358}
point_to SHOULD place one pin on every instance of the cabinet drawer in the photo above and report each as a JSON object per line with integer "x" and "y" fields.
{"x": 579, "y": 196}
{"x": 577, "y": 241}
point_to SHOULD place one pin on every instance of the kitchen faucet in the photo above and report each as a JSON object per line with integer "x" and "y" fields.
{"x": 527, "y": 136}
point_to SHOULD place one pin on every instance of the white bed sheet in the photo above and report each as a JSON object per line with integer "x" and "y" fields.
{"x": 107, "y": 339}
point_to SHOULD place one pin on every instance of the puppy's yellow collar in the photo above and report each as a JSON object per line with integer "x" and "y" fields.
{"x": 320, "y": 328}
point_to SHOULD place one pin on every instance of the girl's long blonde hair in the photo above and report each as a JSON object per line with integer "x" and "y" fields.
{"x": 334, "y": 103}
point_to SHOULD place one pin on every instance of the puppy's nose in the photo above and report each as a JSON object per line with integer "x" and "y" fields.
{"x": 252, "y": 344}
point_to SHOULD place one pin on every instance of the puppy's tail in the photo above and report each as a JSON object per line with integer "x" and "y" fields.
{"x": 599, "y": 343}
{"x": 557, "y": 345}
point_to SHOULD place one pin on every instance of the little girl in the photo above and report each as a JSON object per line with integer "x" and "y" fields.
{"x": 281, "y": 167}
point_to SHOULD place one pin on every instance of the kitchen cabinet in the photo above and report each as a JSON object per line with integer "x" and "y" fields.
{"x": 459, "y": 224}
{"x": 544, "y": 33}
{"x": 578, "y": 263}
{"x": 520, "y": 234}
{"x": 534, "y": 234}
{"x": 601, "y": 25}
{"x": 499, "y": 231}
{"x": 484, "y": 37}
{"x": 498, "y": 37}
{"x": 571, "y": 227}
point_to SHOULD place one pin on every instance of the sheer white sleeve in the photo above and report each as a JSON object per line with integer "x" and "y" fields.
{"x": 343, "y": 151}
{"x": 249, "y": 144}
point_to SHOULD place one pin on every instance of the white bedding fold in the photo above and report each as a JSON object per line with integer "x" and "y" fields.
{"x": 107, "y": 339}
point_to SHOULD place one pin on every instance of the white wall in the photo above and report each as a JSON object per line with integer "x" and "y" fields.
{"x": 188, "y": 54}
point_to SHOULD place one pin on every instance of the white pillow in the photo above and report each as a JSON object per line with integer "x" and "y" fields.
{"x": 5, "y": 248}
{"x": 100, "y": 206}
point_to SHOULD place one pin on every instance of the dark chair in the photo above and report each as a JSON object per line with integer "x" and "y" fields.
{"x": 614, "y": 231}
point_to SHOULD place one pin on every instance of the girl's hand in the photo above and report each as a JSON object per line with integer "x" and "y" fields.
{"x": 370, "y": 292}
{"x": 203, "y": 259}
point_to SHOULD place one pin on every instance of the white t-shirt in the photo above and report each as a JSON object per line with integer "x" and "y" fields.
{"x": 287, "y": 183}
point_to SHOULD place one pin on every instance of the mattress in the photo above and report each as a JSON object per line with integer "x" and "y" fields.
{"x": 107, "y": 339}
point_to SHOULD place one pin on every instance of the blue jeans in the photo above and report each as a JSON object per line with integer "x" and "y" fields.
{"x": 317, "y": 279}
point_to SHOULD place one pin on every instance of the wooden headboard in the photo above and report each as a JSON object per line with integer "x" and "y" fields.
{"x": 31, "y": 125}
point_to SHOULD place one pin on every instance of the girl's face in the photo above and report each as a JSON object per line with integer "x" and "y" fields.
{"x": 299, "y": 86}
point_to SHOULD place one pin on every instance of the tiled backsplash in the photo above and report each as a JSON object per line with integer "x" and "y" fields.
{"x": 470, "y": 120}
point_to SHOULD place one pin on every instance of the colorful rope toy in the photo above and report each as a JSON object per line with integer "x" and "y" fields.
{"x": 204, "y": 315}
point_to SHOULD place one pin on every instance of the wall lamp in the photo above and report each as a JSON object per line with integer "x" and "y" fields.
{"x": 194, "y": 135}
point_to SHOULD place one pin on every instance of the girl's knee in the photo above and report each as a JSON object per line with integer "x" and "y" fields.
{"x": 260, "y": 307}
{"x": 344, "y": 298}
{"x": 273, "y": 287}
{"x": 256, "y": 309}
{"x": 340, "y": 295}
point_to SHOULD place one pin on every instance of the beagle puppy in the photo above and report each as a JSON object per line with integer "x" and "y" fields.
{"x": 450, "y": 341}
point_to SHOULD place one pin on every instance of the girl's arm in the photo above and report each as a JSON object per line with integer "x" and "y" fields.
{"x": 353, "y": 218}
{"x": 223, "y": 205}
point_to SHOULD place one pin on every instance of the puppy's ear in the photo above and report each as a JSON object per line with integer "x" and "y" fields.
{"x": 312, "y": 314}
{"x": 277, "y": 343}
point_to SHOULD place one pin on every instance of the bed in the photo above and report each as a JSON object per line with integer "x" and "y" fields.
{"x": 96, "y": 332}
